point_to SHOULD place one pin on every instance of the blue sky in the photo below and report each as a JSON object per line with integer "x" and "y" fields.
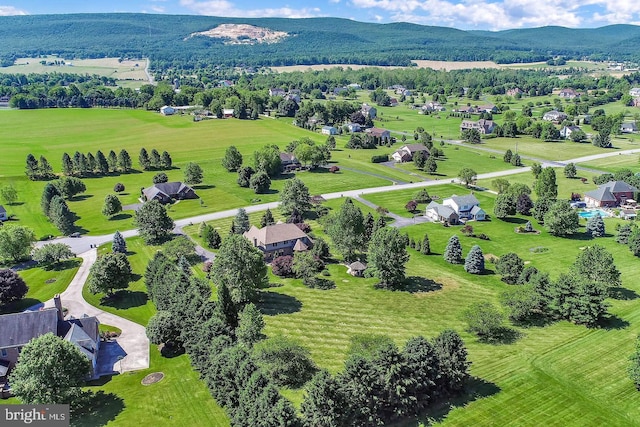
{"x": 464, "y": 14}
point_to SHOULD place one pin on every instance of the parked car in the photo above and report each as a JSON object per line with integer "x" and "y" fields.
{"x": 76, "y": 234}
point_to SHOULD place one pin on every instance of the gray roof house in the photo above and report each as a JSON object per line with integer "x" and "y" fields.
{"x": 278, "y": 239}
{"x": 17, "y": 329}
{"x": 3, "y": 214}
{"x": 406, "y": 152}
{"x": 440, "y": 213}
{"x": 356, "y": 268}
{"x": 462, "y": 205}
{"x": 628, "y": 127}
{"x": 166, "y": 191}
{"x": 610, "y": 194}
{"x": 483, "y": 126}
{"x": 554, "y": 116}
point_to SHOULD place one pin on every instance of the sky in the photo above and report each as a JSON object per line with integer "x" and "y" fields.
{"x": 462, "y": 14}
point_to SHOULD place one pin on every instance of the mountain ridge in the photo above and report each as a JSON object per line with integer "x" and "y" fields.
{"x": 165, "y": 39}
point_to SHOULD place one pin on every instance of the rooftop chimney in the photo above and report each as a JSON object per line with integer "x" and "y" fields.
{"x": 58, "y": 303}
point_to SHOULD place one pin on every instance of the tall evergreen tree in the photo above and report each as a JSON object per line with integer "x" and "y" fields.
{"x": 241, "y": 222}
{"x": 119, "y": 244}
{"x": 92, "y": 164}
{"x": 452, "y": 359}
{"x": 387, "y": 256}
{"x": 166, "y": 161}
{"x": 124, "y": 161}
{"x": 67, "y": 165}
{"x": 155, "y": 159}
{"x": 326, "y": 403}
{"x": 369, "y": 224}
{"x": 474, "y": 263}
{"x": 623, "y": 233}
{"x": 112, "y": 160}
{"x": 453, "y": 251}
{"x": 44, "y": 169}
{"x": 546, "y": 187}
{"x": 426, "y": 245}
{"x": 32, "y": 169}
{"x": 102, "y": 166}
{"x": 61, "y": 216}
{"x": 595, "y": 226}
{"x": 49, "y": 192}
{"x": 267, "y": 219}
{"x": 422, "y": 362}
{"x": 143, "y": 159}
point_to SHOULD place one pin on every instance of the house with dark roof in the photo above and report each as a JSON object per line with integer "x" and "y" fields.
{"x": 406, "y": 152}
{"x": 568, "y": 93}
{"x": 464, "y": 206}
{"x": 440, "y": 213}
{"x": 17, "y": 329}
{"x": 3, "y": 214}
{"x": 278, "y": 239}
{"x": 383, "y": 134}
{"x": 167, "y": 191}
{"x": 483, "y": 126}
{"x": 611, "y": 194}
{"x": 289, "y": 162}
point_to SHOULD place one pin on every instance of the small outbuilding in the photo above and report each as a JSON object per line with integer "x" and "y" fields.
{"x": 356, "y": 269}
{"x": 3, "y": 214}
{"x": 167, "y": 111}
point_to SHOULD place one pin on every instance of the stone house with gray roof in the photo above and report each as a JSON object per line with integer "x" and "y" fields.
{"x": 167, "y": 191}
{"x": 611, "y": 194}
{"x": 17, "y": 329}
{"x": 278, "y": 239}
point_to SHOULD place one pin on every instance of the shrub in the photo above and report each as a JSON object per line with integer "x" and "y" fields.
{"x": 411, "y": 206}
{"x": 318, "y": 283}
{"x": 334, "y": 169}
{"x": 379, "y": 158}
{"x": 282, "y": 266}
{"x": 118, "y": 188}
{"x": 285, "y": 361}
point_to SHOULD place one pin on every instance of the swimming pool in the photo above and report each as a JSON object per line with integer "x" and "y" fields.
{"x": 594, "y": 212}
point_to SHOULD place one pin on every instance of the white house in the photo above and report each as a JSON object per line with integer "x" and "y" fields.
{"x": 368, "y": 111}
{"x": 167, "y": 111}
{"x": 354, "y": 127}
{"x": 628, "y": 127}
{"x": 566, "y": 131}
{"x": 635, "y": 91}
{"x": 406, "y": 152}
{"x": 440, "y": 213}
{"x": 227, "y": 112}
{"x": 554, "y": 116}
{"x": 463, "y": 206}
{"x": 329, "y": 130}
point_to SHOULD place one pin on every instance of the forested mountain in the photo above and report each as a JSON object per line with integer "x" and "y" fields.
{"x": 166, "y": 40}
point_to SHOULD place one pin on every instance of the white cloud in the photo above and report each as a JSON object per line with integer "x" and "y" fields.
{"x": 158, "y": 9}
{"x": 10, "y": 10}
{"x": 226, "y": 8}
{"x": 506, "y": 13}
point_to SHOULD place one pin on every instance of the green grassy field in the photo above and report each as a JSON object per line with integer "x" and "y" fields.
{"x": 43, "y": 284}
{"x": 561, "y": 374}
{"x": 615, "y": 163}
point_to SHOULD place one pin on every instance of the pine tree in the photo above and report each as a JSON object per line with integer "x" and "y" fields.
{"x": 426, "y": 245}
{"x": 155, "y": 159}
{"x": 595, "y": 226}
{"x": 124, "y": 161}
{"x": 67, "y": 165}
{"x": 61, "y": 216}
{"x": 112, "y": 161}
{"x": 49, "y": 192}
{"x": 241, "y": 222}
{"x": 452, "y": 359}
{"x": 102, "y": 166}
{"x": 44, "y": 169}
{"x": 623, "y": 234}
{"x": 92, "y": 164}
{"x": 326, "y": 403}
{"x": 369, "y": 224}
{"x": 226, "y": 308}
{"x": 184, "y": 266}
{"x": 166, "y": 161}
{"x": 119, "y": 245}
{"x": 453, "y": 251}
{"x": 267, "y": 219}
{"x": 143, "y": 159}
{"x": 250, "y": 326}
{"x": 474, "y": 263}
{"x": 32, "y": 169}
{"x": 201, "y": 228}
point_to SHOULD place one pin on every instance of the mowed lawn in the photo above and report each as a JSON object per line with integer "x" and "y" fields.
{"x": 561, "y": 374}
{"x": 43, "y": 284}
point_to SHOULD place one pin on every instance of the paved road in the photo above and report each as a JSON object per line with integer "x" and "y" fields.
{"x": 131, "y": 353}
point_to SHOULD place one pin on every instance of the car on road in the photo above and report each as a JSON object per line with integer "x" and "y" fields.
{"x": 76, "y": 234}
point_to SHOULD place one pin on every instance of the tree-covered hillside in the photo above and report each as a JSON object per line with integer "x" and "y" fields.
{"x": 166, "y": 40}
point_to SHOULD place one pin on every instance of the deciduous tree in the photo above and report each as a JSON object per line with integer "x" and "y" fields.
{"x": 12, "y": 286}
{"x": 112, "y": 205}
{"x": 596, "y": 264}
{"x": 153, "y": 222}
{"x": 240, "y": 267}
{"x": 467, "y": 176}
{"x": 510, "y": 267}
{"x": 294, "y": 195}
{"x": 110, "y": 271}
{"x": 346, "y": 229}
{"x": 9, "y": 194}
{"x": 193, "y": 173}
{"x": 16, "y": 242}
{"x": 561, "y": 219}
{"x": 387, "y": 256}
{"x": 51, "y": 254}
{"x": 39, "y": 377}
{"x": 484, "y": 320}
{"x": 260, "y": 182}
{"x": 232, "y": 159}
